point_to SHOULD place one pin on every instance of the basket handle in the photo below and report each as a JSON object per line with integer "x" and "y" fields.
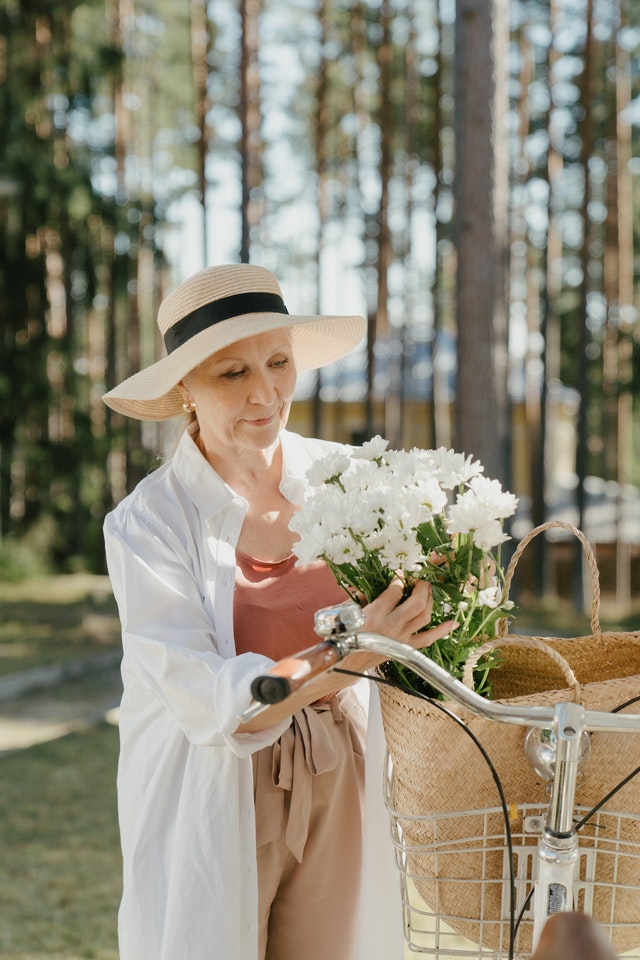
{"x": 532, "y": 643}
{"x": 502, "y": 625}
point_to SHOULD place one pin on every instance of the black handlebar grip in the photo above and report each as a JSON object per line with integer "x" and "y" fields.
{"x": 288, "y": 675}
{"x": 270, "y": 689}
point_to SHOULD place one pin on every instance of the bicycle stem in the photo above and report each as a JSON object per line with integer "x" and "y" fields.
{"x": 558, "y": 853}
{"x": 568, "y": 727}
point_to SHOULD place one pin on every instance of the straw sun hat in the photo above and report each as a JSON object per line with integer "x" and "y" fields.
{"x": 213, "y": 309}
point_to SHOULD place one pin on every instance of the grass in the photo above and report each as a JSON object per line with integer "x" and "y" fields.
{"x": 60, "y": 869}
{"x": 55, "y": 619}
{"x": 559, "y": 618}
{"x": 60, "y": 873}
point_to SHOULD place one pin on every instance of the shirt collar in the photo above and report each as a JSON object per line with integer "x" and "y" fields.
{"x": 208, "y": 490}
{"x": 205, "y": 487}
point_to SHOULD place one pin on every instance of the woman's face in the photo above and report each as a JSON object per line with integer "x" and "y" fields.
{"x": 243, "y": 393}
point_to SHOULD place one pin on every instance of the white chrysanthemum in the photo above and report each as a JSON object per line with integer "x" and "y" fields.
{"x": 452, "y": 469}
{"x": 368, "y": 520}
{"x": 484, "y": 501}
{"x": 410, "y": 481}
{"x": 363, "y": 474}
{"x": 375, "y": 539}
{"x": 371, "y": 450}
{"x": 431, "y": 496}
{"x": 488, "y": 597}
{"x": 363, "y": 511}
{"x": 311, "y": 544}
{"x": 403, "y": 463}
{"x": 489, "y": 535}
{"x": 318, "y": 518}
{"x": 342, "y": 548}
{"x": 316, "y": 508}
{"x": 402, "y": 552}
{"x": 470, "y": 515}
{"x": 498, "y": 503}
{"x": 332, "y": 465}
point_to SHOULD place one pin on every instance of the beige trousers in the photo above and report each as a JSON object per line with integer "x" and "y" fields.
{"x": 308, "y": 794}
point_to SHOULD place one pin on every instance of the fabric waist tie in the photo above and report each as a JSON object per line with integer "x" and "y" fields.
{"x": 283, "y": 774}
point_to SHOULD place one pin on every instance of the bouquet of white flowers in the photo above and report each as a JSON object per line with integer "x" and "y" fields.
{"x": 374, "y": 514}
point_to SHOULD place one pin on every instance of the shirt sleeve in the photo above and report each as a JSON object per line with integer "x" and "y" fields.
{"x": 168, "y": 638}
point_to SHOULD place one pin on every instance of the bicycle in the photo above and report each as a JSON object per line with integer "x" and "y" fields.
{"x": 559, "y": 875}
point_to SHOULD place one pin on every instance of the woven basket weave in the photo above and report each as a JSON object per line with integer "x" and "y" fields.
{"x": 437, "y": 770}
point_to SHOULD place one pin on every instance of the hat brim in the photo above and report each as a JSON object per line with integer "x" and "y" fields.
{"x": 152, "y": 394}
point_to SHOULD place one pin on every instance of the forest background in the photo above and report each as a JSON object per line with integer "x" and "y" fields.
{"x": 466, "y": 175}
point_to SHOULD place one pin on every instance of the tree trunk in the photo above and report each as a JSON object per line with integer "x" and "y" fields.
{"x": 405, "y": 253}
{"x": 586, "y": 135}
{"x": 544, "y": 476}
{"x": 250, "y": 149}
{"x": 626, "y": 314}
{"x": 481, "y": 183}
{"x": 321, "y": 129}
{"x": 199, "y": 51}
{"x": 380, "y": 321}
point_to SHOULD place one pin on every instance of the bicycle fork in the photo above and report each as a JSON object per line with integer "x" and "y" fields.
{"x": 558, "y": 846}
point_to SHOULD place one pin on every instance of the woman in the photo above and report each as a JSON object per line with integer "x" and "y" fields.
{"x": 239, "y": 843}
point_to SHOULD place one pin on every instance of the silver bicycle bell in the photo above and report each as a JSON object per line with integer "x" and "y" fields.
{"x": 540, "y": 747}
{"x": 340, "y": 620}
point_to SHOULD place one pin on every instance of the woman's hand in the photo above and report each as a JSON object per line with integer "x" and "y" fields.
{"x": 402, "y": 621}
{"x": 573, "y": 936}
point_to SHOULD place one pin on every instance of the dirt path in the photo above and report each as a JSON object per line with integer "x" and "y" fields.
{"x": 62, "y": 706}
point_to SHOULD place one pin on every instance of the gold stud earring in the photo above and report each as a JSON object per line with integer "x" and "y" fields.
{"x": 189, "y": 406}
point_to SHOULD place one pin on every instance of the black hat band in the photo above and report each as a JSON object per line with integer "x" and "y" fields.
{"x": 212, "y": 313}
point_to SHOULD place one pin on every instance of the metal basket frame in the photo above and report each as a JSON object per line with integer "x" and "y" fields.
{"x": 432, "y": 932}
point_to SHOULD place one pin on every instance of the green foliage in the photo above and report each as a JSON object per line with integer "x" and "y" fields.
{"x": 30, "y": 555}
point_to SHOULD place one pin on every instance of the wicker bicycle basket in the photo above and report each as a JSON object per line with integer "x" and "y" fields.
{"x": 438, "y": 770}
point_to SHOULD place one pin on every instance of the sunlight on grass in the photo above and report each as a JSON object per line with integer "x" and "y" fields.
{"x": 63, "y": 589}
{"x": 11, "y": 649}
{"x": 55, "y": 619}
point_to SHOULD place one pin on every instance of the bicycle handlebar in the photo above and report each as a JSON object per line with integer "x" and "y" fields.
{"x": 534, "y": 716}
{"x": 290, "y": 674}
{"x": 344, "y": 622}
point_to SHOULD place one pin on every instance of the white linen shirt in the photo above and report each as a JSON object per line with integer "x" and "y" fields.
{"x": 185, "y": 786}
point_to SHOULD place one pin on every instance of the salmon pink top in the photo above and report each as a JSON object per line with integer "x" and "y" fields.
{"x": 274, "y": 604}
